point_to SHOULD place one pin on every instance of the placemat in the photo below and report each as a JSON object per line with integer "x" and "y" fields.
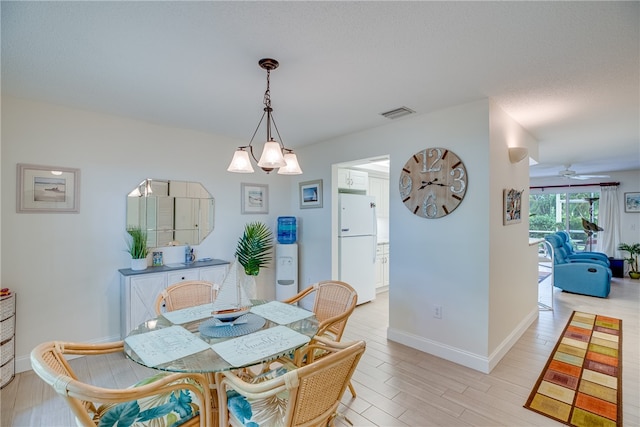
{"x": 252, "y": 348}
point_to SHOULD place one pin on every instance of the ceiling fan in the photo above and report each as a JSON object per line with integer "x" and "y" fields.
{"x": 571, "y": 174}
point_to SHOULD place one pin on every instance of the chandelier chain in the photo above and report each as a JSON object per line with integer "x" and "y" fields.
{"x": 267, "y": 93}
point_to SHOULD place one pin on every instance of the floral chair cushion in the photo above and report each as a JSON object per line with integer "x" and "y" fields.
{"x": 164, "y": 410}
{"x": 260, "y": 412}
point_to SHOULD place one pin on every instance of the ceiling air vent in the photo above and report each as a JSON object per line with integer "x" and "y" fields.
{"x": 398, "y": 112}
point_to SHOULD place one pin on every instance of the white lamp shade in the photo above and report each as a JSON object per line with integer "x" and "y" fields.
{"x": 240, "y": 162}
{"x": 271, "y": 156}
{"x": 292, "y": 167}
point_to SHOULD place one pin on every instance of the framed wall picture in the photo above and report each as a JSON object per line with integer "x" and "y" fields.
{"x": 632, "y": 202}
{"x": 311, "y": 194}
{"x": 512, "y": 206}
{"x": 255, "y": 198}
{"x": 47, "y": 189}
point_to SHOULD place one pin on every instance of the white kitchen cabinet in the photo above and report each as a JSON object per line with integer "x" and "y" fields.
{"x": 379, "y": 188}
{"x": 353, "y": 180}
{"x": 140, "y": 289}
{"x": 382, "y": 266}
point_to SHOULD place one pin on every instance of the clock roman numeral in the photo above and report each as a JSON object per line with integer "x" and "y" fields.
{"x": 456, "y": 165}
{"x": 405, "y": 199}
{"x": 444, "y": 208}
{"x": 416, "y": 209}
{"x": 456, "y": 197}
{"x": 444, "y": 156}
{"x": 405, "y": 170}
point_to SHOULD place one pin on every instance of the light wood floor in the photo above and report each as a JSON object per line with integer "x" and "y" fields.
{"x": 397, "y": 385}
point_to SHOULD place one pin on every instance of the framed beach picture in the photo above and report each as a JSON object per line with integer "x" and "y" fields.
{"x": 255, "y": 198}
{"x": 47, "y": 189}
{"x": 512, "y": 206}
{"x": 632, "y": 202}
{"x": 311, "y": 194}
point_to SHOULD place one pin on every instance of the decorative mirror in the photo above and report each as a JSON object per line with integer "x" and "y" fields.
{"x": 172, "y": 212}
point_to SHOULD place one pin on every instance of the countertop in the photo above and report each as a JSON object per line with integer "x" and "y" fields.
{"x": 173, "y": 267}
{"x": 536, "y": 241}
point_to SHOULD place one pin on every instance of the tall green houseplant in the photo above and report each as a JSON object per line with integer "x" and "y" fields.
{"x": 254, "y": 247}
{"x": 137, "y": 244}
{"x": 634, "y": 251}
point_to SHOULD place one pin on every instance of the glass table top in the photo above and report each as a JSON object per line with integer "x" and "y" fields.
{"x": 190, "y": 346}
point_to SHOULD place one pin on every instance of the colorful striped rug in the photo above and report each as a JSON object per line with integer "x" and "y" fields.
{"x": 581, "y": 384}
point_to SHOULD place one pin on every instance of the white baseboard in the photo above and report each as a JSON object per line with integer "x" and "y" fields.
{"x": 23, "y": 362}
{"x": 462, "y": 357}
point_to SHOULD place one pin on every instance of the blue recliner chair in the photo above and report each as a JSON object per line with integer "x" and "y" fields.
{"x": 579, "y": 276}
{"x": 573, "y": 254}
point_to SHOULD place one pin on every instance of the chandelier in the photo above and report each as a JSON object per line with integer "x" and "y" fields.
{"x": 274, "y": 154}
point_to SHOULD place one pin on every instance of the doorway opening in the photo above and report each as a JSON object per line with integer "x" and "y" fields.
{"x": 368, "y": 178}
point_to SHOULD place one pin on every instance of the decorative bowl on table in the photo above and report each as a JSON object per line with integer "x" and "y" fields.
{"x": 231, "y": 314}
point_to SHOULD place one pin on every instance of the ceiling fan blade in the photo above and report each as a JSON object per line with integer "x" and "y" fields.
{"x": 583, "y": 177}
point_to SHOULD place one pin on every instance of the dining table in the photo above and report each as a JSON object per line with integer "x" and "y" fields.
{"x": 192, "y": 340}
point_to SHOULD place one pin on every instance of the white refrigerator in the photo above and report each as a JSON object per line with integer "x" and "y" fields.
{"x": 357, "y": 243}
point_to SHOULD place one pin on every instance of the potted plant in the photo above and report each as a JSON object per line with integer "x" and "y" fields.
{"x": 137, "y": 248}
{"x": 254, "y": 247}
{"x": 253, "y": 252}
{"x": 634, "y": 250}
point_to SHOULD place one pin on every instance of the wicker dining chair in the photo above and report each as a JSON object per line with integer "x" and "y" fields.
{"x": 164, "y": 399}
{"x": 305, "y": 396}
{"x": 186, "y": 294}
{"x": 333, "y": 304}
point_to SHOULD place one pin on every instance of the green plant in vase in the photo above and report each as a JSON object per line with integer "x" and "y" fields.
{"x": 137, "y": 244}
{"x": 254, "y": 247}
{"x": 137, "y": 247}
{"x": 634, "y": 250}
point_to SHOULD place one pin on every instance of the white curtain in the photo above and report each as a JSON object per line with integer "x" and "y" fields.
{"x": 609, "y": 220}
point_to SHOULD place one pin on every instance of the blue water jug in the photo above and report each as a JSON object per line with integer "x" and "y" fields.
{"x": 286, "y": 229}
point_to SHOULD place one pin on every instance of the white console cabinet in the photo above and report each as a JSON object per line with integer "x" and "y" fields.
{"x": 140, "y": 289}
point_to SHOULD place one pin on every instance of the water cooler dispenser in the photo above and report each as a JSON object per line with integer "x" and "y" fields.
{"x": 286, "y": 259}
{"x": 286, "y": 271}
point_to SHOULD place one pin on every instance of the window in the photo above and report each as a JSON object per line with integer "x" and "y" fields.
{"x": 551, "y": 211}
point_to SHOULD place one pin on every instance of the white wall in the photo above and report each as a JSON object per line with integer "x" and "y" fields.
{"x": 64, "y": 266}
{"x": 445, "y": 261}
{"x": 513, "y": 264}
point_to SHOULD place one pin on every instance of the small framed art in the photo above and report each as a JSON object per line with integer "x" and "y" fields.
{"x": 632, "y": 202}
{"x": 47, "y": 189}
{"x": 512, "y": 206}
{"x": 311, "y": 194}
{"x": 255, "y": 198}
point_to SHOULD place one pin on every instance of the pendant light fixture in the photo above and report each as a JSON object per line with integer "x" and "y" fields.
{"x": 274, "y": 154}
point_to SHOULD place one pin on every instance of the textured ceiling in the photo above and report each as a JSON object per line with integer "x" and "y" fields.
{"x": 569, "y": 72}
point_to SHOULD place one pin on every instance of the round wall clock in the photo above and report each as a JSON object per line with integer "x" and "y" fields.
{"x": 433, "y": 182}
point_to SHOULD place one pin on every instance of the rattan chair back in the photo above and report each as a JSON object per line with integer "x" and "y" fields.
{"x": 334, "y": 302}
{"x": 49, "y": 363}
{"x": 186, "y": 294}
{"x": 314, "y": 390}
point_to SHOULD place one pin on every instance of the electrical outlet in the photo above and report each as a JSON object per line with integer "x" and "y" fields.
{"x": 437, "y": 311}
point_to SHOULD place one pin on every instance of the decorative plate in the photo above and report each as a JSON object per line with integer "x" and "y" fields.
{"x": 214, "y": 328}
